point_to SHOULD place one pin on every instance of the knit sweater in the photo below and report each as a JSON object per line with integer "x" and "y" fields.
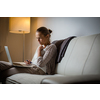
{"x": 47, "y": 59}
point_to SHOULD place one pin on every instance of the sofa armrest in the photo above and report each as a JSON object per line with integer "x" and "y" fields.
{"x": 81, "y": 79}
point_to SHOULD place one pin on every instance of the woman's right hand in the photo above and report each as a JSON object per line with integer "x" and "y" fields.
{"x": 27, "y": 62}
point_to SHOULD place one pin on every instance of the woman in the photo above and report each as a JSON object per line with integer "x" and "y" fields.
{"x": 43, "y": 60}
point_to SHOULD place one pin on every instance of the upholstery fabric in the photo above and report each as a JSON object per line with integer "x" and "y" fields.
{"x": 25, "y": 78}
{"x": 78, "y": 55}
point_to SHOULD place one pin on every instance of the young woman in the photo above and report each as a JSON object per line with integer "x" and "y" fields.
{"x": 43, "y": 60}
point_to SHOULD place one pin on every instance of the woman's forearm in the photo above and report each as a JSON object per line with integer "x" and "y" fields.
{"x": 39, "y": 50}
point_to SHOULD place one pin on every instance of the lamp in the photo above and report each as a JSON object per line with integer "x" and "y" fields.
{"x": 20, "y": 25}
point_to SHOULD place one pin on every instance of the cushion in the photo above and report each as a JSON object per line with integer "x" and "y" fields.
{"x": 25, "y": 78}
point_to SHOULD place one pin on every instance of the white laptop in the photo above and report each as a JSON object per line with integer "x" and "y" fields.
{"x": 17, "y": 64}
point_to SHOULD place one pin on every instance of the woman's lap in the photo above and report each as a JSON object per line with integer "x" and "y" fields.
{"x": 9, "y": 70}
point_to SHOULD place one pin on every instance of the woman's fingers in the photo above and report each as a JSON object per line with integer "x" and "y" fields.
{"x": 28, "y": 61}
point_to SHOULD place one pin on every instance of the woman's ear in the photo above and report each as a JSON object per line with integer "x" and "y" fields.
{"x": 47, "y": 36}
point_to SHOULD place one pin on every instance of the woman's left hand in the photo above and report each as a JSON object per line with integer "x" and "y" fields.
{"x": 40, "y": 48}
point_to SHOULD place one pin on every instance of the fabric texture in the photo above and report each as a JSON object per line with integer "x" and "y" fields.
{"x": 82, "y": 57}
{"x": 58, "y": 45}
{"x": 62, "y": 47}
{"x": 26, "y": 78}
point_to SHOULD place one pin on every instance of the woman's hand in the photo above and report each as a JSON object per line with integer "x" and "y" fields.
{"x": 28, "y": 62}
{"x": 40, "y": 48}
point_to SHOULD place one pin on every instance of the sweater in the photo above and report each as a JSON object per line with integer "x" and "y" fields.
{"x": 46, "y": 61}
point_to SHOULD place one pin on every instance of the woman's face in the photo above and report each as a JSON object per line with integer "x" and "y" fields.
{"x": 41, "y": 38}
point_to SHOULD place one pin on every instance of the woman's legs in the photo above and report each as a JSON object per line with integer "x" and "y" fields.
{"x": 10, "y": 70}
{"x": 4, "y": 65}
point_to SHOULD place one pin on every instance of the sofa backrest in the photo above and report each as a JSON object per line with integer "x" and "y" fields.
{"x": 82, "y": 57}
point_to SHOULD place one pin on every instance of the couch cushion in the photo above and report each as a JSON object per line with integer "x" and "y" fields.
{"x": 92, "y": 65}
{"x": 25, "y": 78}
{"x": 77, "y": 79}
{"x": 78, "y": 58}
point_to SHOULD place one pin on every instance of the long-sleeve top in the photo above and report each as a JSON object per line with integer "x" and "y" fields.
{"x": 47, "y": 59}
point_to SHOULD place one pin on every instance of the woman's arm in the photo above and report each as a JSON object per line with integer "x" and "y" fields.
{"x": 37, "y": 54}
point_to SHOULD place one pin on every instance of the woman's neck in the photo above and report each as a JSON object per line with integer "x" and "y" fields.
{"x": 47, "y": 44}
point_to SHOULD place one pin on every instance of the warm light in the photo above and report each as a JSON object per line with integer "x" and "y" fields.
{"x": 19, "y": 25}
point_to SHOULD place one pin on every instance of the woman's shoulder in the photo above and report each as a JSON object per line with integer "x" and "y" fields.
{"x": 51, "y": 46}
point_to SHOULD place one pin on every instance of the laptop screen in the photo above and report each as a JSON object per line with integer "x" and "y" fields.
{"x": 8, "y": 54}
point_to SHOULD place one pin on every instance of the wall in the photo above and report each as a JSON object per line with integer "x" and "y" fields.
{"x": 62, "y": 27}
{"x": 13, "y": 41}
{"x": 67, "y": 26}
{"x": 30, "y": 40}
{"x": 3, "y": 36}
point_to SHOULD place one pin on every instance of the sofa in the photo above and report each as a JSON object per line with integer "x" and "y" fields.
{"x": 80, "y": 65}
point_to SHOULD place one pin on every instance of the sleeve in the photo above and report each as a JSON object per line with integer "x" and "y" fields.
{"x": 49, "y": 53}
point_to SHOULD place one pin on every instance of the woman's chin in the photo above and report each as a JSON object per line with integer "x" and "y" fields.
{"x": 40, "y": 43}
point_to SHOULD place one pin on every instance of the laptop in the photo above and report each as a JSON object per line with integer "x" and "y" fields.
{"x": 16, "y": 64}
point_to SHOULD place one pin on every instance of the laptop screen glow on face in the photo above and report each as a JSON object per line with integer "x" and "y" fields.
{"x": 8, "y": 54}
